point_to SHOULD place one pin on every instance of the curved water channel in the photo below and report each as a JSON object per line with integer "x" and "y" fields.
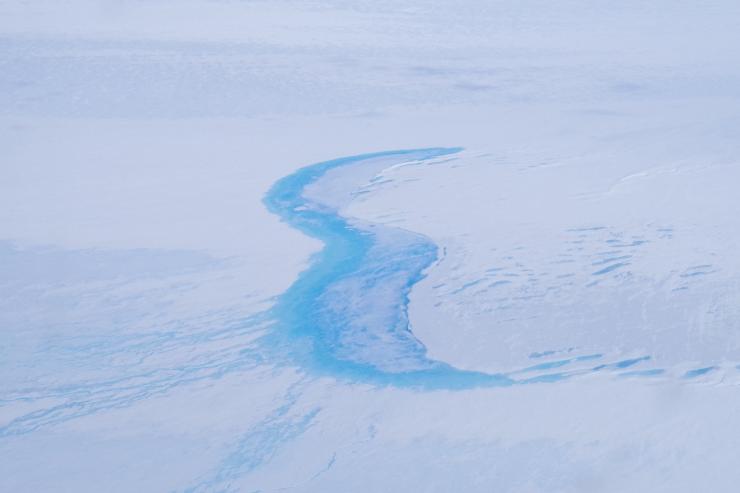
{"x": 347, "y": 314}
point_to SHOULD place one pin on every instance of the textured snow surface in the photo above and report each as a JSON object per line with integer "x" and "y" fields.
{"x": 369, "y": 246}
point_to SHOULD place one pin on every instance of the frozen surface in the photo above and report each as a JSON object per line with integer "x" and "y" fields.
{"x": 217, "y": 272}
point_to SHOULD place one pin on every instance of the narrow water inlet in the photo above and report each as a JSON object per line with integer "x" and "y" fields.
{"x": 347, "y": 314}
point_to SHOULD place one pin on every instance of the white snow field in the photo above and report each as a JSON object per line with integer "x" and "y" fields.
{"x": 346, "y": 246}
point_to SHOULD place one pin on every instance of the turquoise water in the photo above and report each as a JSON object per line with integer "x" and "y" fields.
{"x": 347, "y": 314}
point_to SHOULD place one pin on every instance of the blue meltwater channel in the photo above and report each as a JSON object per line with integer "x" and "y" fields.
{"x": 347, "y": 314}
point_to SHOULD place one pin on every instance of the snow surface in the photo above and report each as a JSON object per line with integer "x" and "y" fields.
{"x": 552, "y": 307}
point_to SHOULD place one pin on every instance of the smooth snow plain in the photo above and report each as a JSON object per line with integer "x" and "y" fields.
{"x": 351, "y": 246}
